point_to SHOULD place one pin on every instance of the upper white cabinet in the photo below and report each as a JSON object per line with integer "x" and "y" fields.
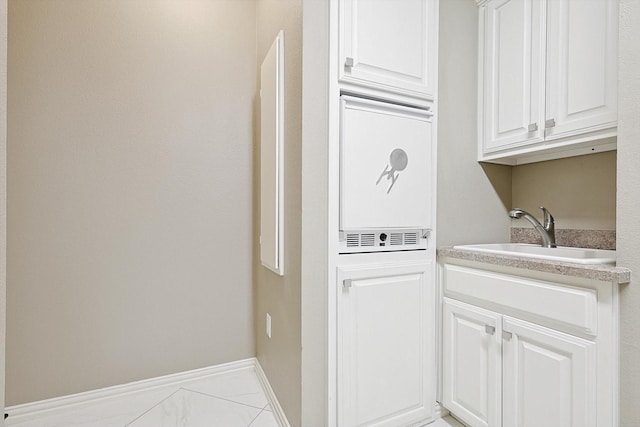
{"x": 548, "y": 73}
{"x": 581, "y": 66}
{"x": 513, "y": 74}
{"x": 388, "y": 48}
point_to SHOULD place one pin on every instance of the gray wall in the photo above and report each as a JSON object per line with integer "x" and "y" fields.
{"x": 579, "y": 191}
{"x": 130, "y": 191}
{"x": 628, "y": 224}
{"x": 280, "y": 296}
{"x": 472, "y": 199}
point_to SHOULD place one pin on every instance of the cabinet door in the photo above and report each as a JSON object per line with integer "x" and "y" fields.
{"x": 472, "y": 365}
{"x": 581, "y": 68}
{"x": 385, "y": 345}
{"x": 512, "y": 74}
{"x": 549, "y": 378}
{"x": 390, "y": 44}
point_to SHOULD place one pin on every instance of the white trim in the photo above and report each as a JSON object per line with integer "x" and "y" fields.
{"x": 615, "y": 360}
{"x": 278, "y": 413}
{"x": 330, "y": 337}
{"x": 35, "y": 410}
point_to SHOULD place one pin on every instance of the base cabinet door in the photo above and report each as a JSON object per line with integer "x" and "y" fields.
{"x": 501, "y": 371}
{"x": 385, "y": 345}
{"x": 472, "y": 374}
{"x": 549, "y": 378}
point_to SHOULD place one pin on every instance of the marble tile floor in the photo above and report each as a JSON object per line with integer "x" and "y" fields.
{"x": 231, "y": 399}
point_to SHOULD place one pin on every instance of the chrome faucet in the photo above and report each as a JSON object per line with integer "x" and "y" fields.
{"x": 547, "y": 231}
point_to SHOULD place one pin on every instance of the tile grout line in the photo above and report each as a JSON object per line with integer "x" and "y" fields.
{"x": 256, "y": 417}
{"x": 261, "y": 410}
{"x": 264, "y": 409}
{"x": 225, "y": 399}
{"x": 152, "y": 407}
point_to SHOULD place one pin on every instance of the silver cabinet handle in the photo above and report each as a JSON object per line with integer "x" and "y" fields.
{"x": 346, "y": 283}
{"x": 550, "y": 123}
{"x": 507, "y": 335}
{"x": 490, "y": 329}
{"x": 532, "y": 127}
{"x": 348, "y": 62}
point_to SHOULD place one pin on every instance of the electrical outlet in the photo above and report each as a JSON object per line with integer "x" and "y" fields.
{"x": 268, "y": 325}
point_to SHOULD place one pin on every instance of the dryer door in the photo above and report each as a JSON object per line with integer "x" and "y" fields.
{"x": 385, "y": 165}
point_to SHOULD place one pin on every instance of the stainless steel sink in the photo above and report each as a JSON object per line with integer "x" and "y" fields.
{"x": 562, "y": 254}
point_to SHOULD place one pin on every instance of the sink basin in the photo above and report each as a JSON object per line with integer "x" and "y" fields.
{"x": 562, "y": 254}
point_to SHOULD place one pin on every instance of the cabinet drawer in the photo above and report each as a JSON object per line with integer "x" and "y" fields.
{"x": 563, "y": 307}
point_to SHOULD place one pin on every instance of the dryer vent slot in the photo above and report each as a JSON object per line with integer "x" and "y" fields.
{"x": 410, "y": 238}
{"x": 353, "y": 240}
{"x": 367, "y": 240}
{"x": 395, "y": 239}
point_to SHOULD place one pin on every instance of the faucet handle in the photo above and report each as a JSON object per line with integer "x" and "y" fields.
{"x": 548, "y": 218}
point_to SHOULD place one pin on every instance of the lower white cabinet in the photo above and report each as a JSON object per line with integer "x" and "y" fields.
{"x": 386, "y": 345}
{"x": 472, "y": 375}
{"x": 504, "y": 371}
{"x": 530, "y": 350}
{"x": 548, "y": 377}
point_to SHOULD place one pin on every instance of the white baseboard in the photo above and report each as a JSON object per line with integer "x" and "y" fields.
{"x": 271, "y": 397}
{"x": 34, "y": 410}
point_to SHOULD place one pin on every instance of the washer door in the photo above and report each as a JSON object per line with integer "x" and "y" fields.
{"x": 385, "y": 165}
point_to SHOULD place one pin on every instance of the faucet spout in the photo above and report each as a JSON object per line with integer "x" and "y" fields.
{"x": 546, "y": 231}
